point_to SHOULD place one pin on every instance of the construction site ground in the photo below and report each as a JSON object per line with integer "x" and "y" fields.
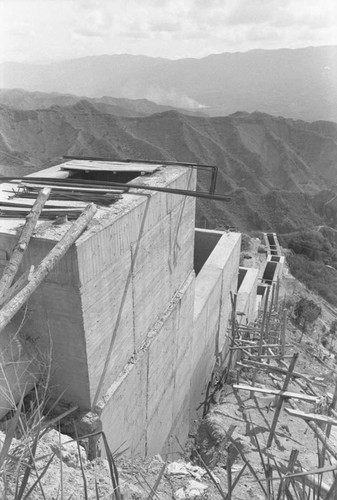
{"x": 201, "y": 469}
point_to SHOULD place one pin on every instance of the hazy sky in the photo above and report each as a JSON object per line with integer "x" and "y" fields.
{"x": 45, "y": 30}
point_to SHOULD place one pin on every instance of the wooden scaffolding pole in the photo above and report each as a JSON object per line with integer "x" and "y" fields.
{"x": 280, "y": 400}
{"x": 22, "y": 243}
{"x": 46, "y": 265}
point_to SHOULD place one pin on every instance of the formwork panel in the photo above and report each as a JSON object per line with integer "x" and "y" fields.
{"x": 181, "y": 243}
{"x": 123, "y": 411}
{"x": 179, "y": 431}
{"x": 206, "y": 310}
{"x": 107, "y": 304}
{"x": 127, "y": 221}
{"x": 162, "y": 260}
{"x": 160, "y": 422}
{"x": 161, "y": 368}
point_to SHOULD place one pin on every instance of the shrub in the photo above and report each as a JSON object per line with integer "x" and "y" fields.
{"x": 306, "y": 311}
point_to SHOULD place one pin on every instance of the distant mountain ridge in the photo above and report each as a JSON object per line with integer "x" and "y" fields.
{"x": 22, "y": 99}
{"x": 295, "y": 83}
{"x": 279, "y": 172}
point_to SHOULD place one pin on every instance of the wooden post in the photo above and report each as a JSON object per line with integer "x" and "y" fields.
{"x": 46, "y": 265}
{"x": 291, "y": 464}
{"x": 332, "y": 493}
{"x": 229, "y": 473}
{"x": 283, "y": 331}
{"x": 22, "y": 243}
{"x": 329, "y": 426}
{"x": 318, "y": 432}
{"x": 280, "y": 400}
{"x": 261, "y": 337}
{"x": 277, "y": 293}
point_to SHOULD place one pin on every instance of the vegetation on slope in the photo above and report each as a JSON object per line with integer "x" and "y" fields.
{"x": 314, "y": 260}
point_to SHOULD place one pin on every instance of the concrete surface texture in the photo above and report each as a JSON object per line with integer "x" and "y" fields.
{"x": 246, "y": 296}
{"x": 212, "y": 307}
{"x": 131, "y": 332}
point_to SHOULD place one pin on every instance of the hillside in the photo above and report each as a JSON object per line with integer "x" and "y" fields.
{"x": 298, "y": 83}
{"x": 22, "y": 99}
{"x": 280, "y": 172}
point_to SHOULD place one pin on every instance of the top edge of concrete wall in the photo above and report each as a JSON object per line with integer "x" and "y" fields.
{"x": 222, "y": 250}
{"x": 209, "y": 231}
{"x": 172, "y": 176}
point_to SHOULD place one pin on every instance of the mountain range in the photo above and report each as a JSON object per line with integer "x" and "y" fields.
{"x": 279, "y": 172}
{"x": 22, "y": 99}
{"x": 294, "y": 83}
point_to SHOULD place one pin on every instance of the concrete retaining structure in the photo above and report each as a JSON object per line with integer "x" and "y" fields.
{"x": 212, "y": 307}
{"x": 246, "y": 310}
{"x": 133, "y": 334}
{"x": 272, "y": 243}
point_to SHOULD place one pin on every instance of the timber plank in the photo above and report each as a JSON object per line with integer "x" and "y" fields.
{"x": 276, "y": 392}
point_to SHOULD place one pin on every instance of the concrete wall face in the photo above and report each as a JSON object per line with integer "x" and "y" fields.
{"x": 132, "y": 333}
{"x": 123, "y": 294}
{"x": 212, "y": 308}
{"x": 204, "y": 244}
{"x": 53, "y": 320}
{"x": 246, "y": 296}
{"x": 145, "y": 403}
{"x": 172, "y": 366}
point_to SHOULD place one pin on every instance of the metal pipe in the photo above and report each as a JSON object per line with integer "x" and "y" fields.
{"x": 197, "y": 166}
{"x": 121, "y": 185}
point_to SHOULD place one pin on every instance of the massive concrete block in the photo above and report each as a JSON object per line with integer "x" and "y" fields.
{"x": 98, "y": 304}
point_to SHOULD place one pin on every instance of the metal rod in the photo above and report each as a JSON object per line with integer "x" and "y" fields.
{"x": 198, "y": 166}
{"x": 183, "y": 192}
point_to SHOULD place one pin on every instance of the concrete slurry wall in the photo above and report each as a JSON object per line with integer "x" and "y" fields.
{"x": 212, "y": 307}
{"x": 246, "y": 296}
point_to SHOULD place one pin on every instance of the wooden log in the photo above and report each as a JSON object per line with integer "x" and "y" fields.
{"x": 46, "y": 265}
{"x": 261, "y": 336}
{"x": 22, "y": 243}
{"x": 284, "y": 371}
{"x": 317, "y": 431}
{"x": 310, "y": 480}
{"x": 280, "y": 400}
{"x": 276, "y": 392}
{"x": 246, "y": 346}
{"x": 272, "y": 356}
{"x": 332, "y": 493}
{"x": 18, "y": 285}
{"x": 283, "y": 332}
{"x": 291, "y": 464}
{"x": 328, "y": 427}
{"x": 315, "y": 417}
